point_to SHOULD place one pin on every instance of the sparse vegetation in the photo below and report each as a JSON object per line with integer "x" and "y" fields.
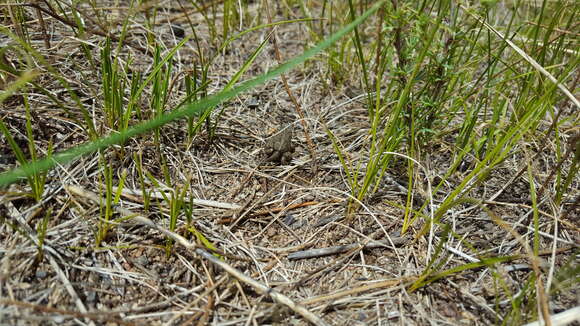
{"x": 441, "y": 137}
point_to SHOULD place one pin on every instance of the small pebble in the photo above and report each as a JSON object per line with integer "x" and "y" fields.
{"x": 92, "y": 297}
{"x": 142, "y": 260}
{"x": 178, "y": 31}
{"x": 253, "y": 103}
{"x": 289, "y": 219}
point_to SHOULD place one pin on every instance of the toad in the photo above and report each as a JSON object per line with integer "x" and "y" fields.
{"x": 279, "y": 148}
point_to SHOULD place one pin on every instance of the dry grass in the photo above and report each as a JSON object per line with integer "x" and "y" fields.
{"x": 255, "y": 214}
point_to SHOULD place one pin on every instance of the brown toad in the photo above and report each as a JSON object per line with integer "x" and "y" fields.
{"x": 279, "y": 148}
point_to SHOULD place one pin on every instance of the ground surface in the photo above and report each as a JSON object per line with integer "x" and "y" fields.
{"x": 276, "y": 208}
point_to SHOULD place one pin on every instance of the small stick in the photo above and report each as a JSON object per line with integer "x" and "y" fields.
{"x": 359, "y": 289}
{"x": 43, "y": 29}
{"x": 311, "y": 253}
